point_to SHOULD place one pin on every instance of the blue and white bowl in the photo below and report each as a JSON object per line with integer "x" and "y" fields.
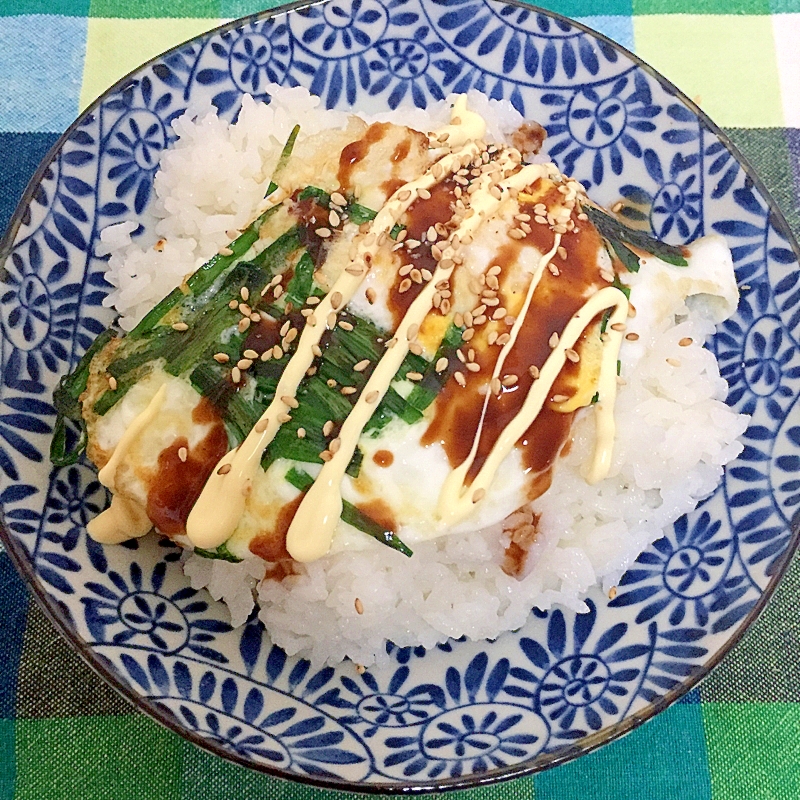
{"x": 464, "y": 712}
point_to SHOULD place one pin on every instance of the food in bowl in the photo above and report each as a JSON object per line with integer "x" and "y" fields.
{"x": 396, "y": 379}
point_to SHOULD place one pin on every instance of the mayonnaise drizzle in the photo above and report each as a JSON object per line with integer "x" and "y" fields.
{"x": 457, "y": 501}
{"x": 449, "y": 507}
{"x": 124, "y": 518}
{"x": 221, "y": 504}
{"x": 108, "y": 474}
{"x": 311, "y": 531}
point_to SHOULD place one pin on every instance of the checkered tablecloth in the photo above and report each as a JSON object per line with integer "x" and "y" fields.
{"x": 64, "y": 735}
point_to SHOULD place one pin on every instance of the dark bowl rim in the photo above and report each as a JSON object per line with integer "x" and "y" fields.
{"x": 535, "y": 765}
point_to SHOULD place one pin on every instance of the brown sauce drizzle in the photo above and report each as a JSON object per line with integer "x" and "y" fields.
{"x": 311, "y": 215}
{"x": 380, "y": 512}
{"x": 402, "y": 150}
{"x": 271, "y": 545}
{"x": 383, "y": 458}
{"x": 516, "y": 552}
{"x": 528, "y": 138}
{"x": 457, "y": 410}
{"x": 177, "y": 484}
{"x": 356, "y": 152}
{"x": 421, "y": 214}
{"x": 262, "y": 336}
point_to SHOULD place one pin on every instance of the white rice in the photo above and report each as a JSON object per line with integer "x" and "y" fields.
{"x": 674, "y": 436}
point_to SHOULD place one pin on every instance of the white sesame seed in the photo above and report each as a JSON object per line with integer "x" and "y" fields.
{"x": 362, "y": 365}
{"x": 323, "y": 233}
{"x": 236, "y": 374}
{"x": 372, "y": 397}
{"x": 112, "y": 383}
{"x": 327, "y": 428}
{"x": 441, "y": 364}
{"x": 301, "y": 433}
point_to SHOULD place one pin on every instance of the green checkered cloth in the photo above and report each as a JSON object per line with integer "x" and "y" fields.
{"x": 64, "y": 735}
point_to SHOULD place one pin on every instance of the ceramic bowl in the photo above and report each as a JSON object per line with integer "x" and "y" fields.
{"x": 465, "y": 712}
